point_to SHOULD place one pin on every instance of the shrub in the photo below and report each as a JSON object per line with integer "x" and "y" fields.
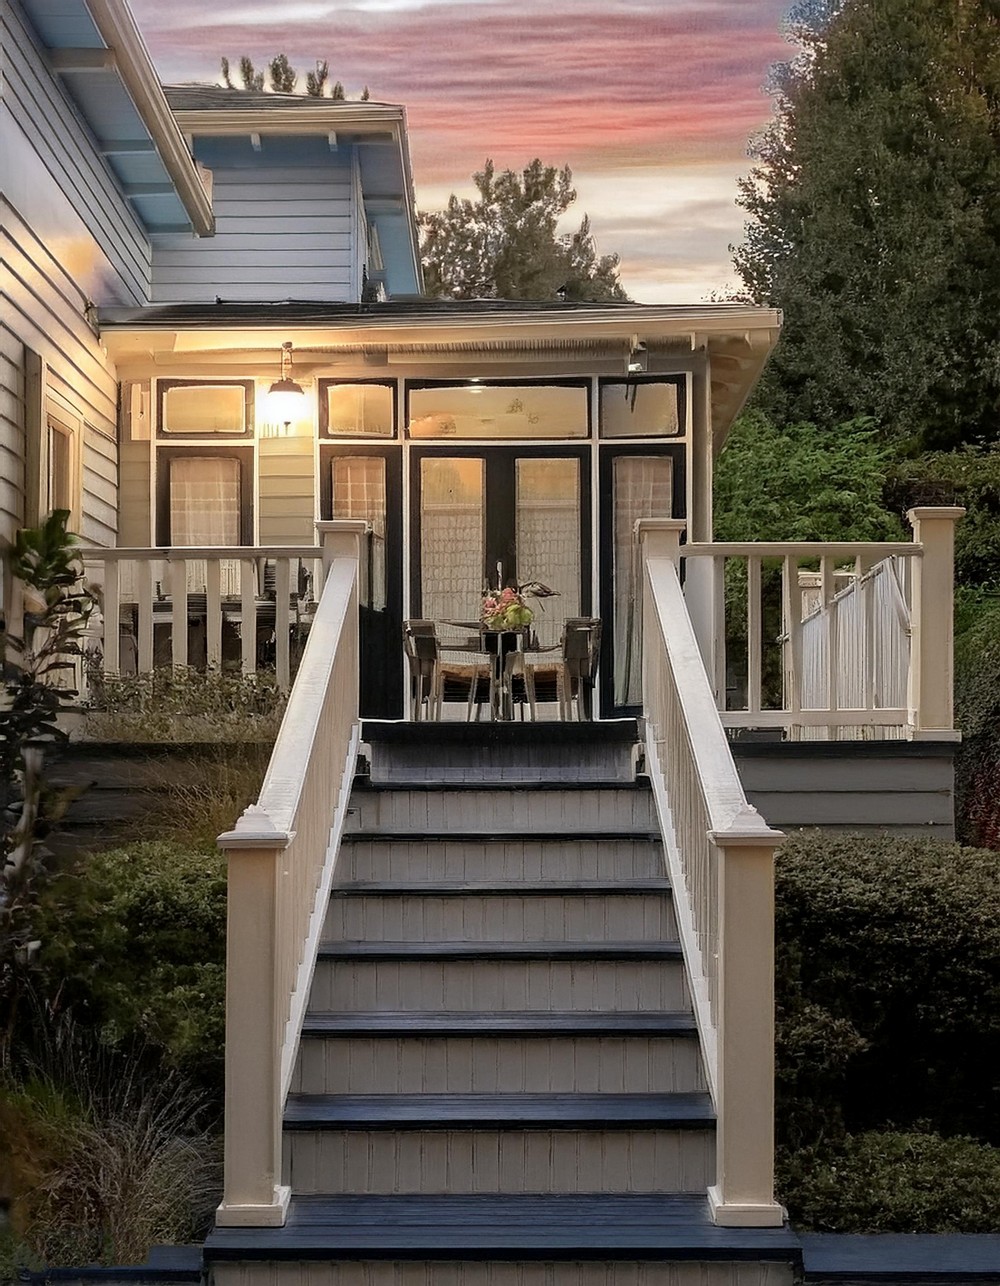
{"x": 887, "y": 986}
{"x": 104, "y": 1157}
{"x": 133, "y": 946}
{"x": 893, "y": 1182}
{"x": 184, "y": 704}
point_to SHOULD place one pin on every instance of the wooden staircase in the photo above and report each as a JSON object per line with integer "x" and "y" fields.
{"x": 499, "y": 1078}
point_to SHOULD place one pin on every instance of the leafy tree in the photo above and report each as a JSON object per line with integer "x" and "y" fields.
{"x": 796, "y": 482}
{"x": 875, "y": 207}
{"x": 283, "y": 75}
{"x": 505, "y": 245}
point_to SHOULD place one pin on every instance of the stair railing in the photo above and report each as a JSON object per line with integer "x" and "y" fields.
{"x": 281, "y": 858}
{"x": 720, "y": 854}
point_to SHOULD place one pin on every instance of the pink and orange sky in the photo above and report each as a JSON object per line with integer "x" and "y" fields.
{"x": 650, "y": 102}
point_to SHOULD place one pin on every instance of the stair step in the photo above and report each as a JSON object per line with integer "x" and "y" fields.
{"x": 512, "y": 1023}
{"x": 534, "y": 810}
{"x": 399, "y": 1052}
{"x": 498, "y": 1111}
{"x": 444, "y": 951}
{"x": 499, "y": 888}
{"x": 510, "y": 913}
{"x": 512, "y": 1228}
{"x": 368, "y": 856}
{"x": 489, "y": 977}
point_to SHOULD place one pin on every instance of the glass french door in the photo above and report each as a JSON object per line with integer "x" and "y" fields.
{"x": 500, "y": 515}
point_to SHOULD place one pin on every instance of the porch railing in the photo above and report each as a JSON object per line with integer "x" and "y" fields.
{"x": 801, "y": 651}
{"x": 720, "y": 854}
{"x": 151, "y": 596}
{"x": 281, "y": 857}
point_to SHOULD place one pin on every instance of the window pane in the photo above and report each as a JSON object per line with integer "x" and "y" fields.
{"x": 631, "y": 410}
{"x": 205, "y": 501}
{"x": 642, "y": 489}
{"x": 359, "y": 409}
{"x": 492, "y": 411}
{"x": 548, "y": 539}
{"x": 359, "y": 492}
{"x": 60, "y": 468}
{"x": 204, "y": 408}
{"x": 452, "y": 538}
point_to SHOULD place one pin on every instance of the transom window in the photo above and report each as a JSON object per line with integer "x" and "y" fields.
{"x": 498, "y": 411}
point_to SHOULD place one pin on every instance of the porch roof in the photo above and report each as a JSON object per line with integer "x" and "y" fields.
{"x": 737, "y": 338}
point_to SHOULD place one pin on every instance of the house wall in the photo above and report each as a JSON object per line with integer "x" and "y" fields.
{"x": 903, "y": 788}
{"x": 68, "y": 240}
{"x": 285, "y": 228}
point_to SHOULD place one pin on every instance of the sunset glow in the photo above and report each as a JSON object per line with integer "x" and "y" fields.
{"x": 650, "y": 102}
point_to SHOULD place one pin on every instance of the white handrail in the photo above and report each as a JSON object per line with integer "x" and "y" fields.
{"x": 720, "y": 857}
{"x": 282, "y": 854}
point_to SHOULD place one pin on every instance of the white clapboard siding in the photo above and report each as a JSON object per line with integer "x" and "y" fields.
{"x": 280, "y": 233}
{"x": 11, "y": 431}
{"x": 52, "y": 173}
{"x": 43, "y": 310}
{"x": 286, "y": 491}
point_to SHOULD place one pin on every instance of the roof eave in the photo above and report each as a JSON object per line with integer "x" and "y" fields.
{"x": 117, "y": 27}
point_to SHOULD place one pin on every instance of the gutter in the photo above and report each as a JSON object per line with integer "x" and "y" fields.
{"x": 117, "y": 27}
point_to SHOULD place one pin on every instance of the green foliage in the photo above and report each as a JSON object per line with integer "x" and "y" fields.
{"x": 875, "y": 209}
{"x": 970, "y": 477}
{"x": 504, "y": 245}
{"x": 184, "y": 705}
{"x": 104, "y": 1158}
{"x": 798, "y": 482}
{"x": 887, "y": 959}
{"x": 977, "y": 713}
{"x": 56, "y": 608}
{"x": 134, "y": 949}
{"x": 893, "y": 1182}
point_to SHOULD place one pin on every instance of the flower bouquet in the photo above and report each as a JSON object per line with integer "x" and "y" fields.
{"x": 505, "y": 609}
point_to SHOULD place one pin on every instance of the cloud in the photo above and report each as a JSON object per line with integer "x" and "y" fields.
{"x": 649, "y": 101}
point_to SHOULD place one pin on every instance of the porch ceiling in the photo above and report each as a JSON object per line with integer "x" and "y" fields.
{"x": 737, "y": 340}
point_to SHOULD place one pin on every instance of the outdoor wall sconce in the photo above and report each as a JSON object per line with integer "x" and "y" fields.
{"x": 638, "y": 358}
{"x": 285, "y": 398}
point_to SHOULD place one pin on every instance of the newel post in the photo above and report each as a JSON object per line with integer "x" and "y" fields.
{"x": 743, "y": 1193}
{"x": 253, "y": 1194}
{"x": 930, "y": 688}
{"x": 341, "y": 538}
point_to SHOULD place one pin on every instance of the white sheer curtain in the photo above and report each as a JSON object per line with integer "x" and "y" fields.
{"x": 358, "y": 483}
{"x": 205, "y": 509}
{"x": 643, "y": 488}
{"x": 548, "y": 539}
{"x": 452, "y": 538}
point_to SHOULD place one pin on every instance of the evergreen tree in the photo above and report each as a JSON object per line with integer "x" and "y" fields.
{"x": 283, "y": 75}
{"x": 876, "y": 219}
{"x": 316, "y": 80}
{"x": 505, "y": 244}
{"x": 365, "y": 94}
{"x": 252, "y": 79}
{"x": 337, "y": 93}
